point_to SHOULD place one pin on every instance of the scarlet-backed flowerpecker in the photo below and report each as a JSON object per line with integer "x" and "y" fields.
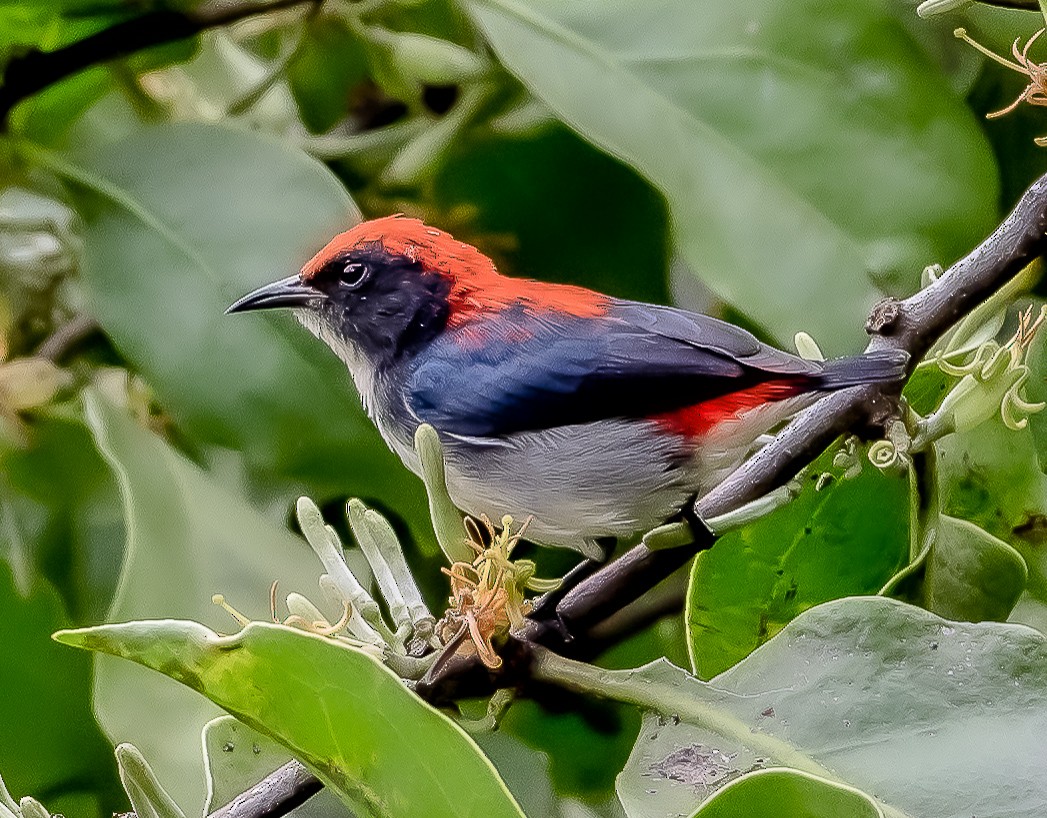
{"x": 598, "y": 416}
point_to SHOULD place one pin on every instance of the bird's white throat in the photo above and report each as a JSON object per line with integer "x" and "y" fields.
{"x": 361, "y": 370}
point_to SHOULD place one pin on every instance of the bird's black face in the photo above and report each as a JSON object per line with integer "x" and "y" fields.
{"x": 386, "y": 306}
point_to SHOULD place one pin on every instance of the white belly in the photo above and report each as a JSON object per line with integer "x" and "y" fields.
{"x": 579, "y": 483}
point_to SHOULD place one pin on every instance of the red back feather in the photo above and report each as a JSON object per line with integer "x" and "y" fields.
{"x": 476, "y": 286}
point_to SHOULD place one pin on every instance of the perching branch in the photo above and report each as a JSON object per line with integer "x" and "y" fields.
{"x": 912, "y": 324}
{"x": 33, "y": 71}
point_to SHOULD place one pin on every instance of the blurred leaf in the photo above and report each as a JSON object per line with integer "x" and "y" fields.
{"x": 972, "y": 575}
{"x": 933, "y": 717}
{"x": 404, "y": 62}
{"x": 437, "y": 18}
{"x": 48, "y": 26}
{"x": 847, "y": 539}
{"x": 807, "y": 144}
{"x": 776, "y": 793}
{"x": 47, "y": 115}
{"x": 179, "y": 221}
{"x": 48, "y": 689}
{"x": 326, "y": 65}
{"x": 575, "y": 214}
{"x": 61, "y": 513}
{"x": 420, "y": 158}
{"x": 382, "y": 748}
{"x": 188, "y": 538}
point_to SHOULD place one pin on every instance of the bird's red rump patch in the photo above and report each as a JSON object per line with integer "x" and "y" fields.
{"x": 700, "y": 418}
{"x": 476, "y": 286}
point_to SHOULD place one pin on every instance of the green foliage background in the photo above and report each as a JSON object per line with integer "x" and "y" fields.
{"x": 781, "y": 164}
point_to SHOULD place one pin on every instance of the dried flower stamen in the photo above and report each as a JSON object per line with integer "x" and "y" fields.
{"x": 1035, "y": 92}
{"x": 487, "y": 595}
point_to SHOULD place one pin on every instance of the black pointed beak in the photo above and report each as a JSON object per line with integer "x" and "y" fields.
{"x": 287, "y": 292}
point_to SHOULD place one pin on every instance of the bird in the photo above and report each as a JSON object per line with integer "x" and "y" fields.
{"x": 598, "y": 417}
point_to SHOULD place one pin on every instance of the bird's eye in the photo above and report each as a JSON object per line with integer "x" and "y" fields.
{"x": 354, "y": 274}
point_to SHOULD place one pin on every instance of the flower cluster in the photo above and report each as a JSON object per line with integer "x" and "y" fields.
{"x": 488, "y": 594}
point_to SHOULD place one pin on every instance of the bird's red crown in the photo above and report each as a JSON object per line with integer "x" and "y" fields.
{"x": 476, "y": 285}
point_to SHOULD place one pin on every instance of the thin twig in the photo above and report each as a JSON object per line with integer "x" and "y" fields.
{"x": 33, "y": 71}
{"x": 67, "y": 337}
{"x": 275, "y": 795}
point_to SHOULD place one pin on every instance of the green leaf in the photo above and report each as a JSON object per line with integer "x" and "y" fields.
{"x": 45, "y": 687}
{"x": 338, "y": 709}
{"x": 188, "y": 538}
{"x": 806, "y": 144}
{"x": 409, "y": 61}
{"x": 776, "y": 793}
{"x": 847, "y": 539}
{"x": 182, "y": 219}
{"x": 926, "y": 387}
{"x": 971, "y": 574}
{"x": 325, "y": 67}
{"x": 930, "y": 716}
{"x": 990, "y": 476}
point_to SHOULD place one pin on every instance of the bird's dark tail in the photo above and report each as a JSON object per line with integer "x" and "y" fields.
{"x": 873, "y": 367}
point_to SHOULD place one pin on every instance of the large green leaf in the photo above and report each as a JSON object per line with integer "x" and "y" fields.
{"x": 50, "y": 745}
{"x": 931, "y": 717}
{"x": 180, "y": 220}
{"x": 847, "y": 539}
{"x": 188, "y": 538}
{"x": 970, "y": 574}
{"x": 810, "y": 150}
{"x": 338, "y": 709}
